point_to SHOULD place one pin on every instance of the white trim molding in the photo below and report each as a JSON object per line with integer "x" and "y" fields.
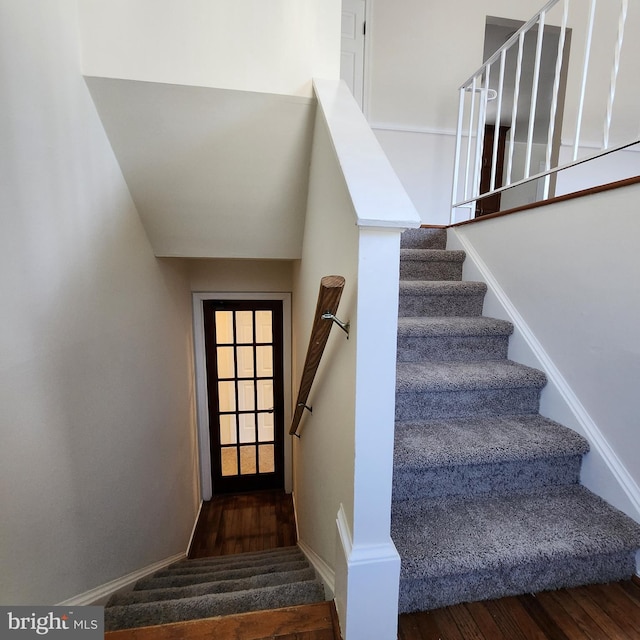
{"x": 403, "y": 128}
{"x": 367, "y": 579}
{"x": 101, "y": 594}
{"x": 325, "y": 572}
{"x": 202, "y": 402}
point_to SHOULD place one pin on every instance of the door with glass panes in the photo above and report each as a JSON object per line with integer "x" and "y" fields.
{"x": 243, "y": 342}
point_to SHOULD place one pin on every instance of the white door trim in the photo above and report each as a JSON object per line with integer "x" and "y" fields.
{"x": 202, "y": 402}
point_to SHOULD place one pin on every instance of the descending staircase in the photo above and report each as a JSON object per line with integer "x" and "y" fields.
{"x": 217, "y": 586}
{"x": 486, "y": 495}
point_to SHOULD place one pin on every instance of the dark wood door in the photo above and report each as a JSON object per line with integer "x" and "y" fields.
{"x": 245, "y": 381}
{"x": 491, "y": 204}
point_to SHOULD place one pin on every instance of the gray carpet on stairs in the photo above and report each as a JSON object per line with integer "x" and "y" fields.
{"x": 486, "y": 495}
{"x": 216, "y": 586}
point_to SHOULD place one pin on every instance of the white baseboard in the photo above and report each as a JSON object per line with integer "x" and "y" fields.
{"x": 195, "y": 526}
{"x": 101, "y": 594}
{"x": 326, "y": 573}
{"x": 598, "y": 442}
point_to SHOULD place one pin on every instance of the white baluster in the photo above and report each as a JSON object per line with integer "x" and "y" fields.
{"x": 585, "y": 74}
{"x": 614, "y": 71}
{"x": 554, "y": 98}
{"x": 482, "y": 119}
{"x": 470, "y": 132}
{"x": 456, "y": 165}
{"x": 496, "y": 131}
{"x": 534, "y": 95}
{"x": 514, "y": 111}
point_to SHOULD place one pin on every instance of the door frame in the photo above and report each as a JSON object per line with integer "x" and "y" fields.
{"x": 202, "y": 399}
{"x": 367, "y": 46}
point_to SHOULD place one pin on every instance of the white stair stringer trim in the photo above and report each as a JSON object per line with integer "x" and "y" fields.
{"x": 590, "y": 429}
{"x": 326, "y": 573}
{"x": 99, "y": 595}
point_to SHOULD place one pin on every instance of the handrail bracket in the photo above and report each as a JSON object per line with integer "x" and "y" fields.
{"x": 343, "y": 325}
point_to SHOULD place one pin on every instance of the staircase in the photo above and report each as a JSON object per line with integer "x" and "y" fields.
{"x": 217, "y": 586}
{"x": 486, "y": 495}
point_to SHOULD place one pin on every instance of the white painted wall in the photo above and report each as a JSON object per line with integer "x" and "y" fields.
{"x": 424, "y": 163}
{"x": 571, "y": 270}
{"x": 528, "y": 192}
{"x": 610, "y": 168}
{"x": 274, "y": 47}
{"x": 98, "y": 456}
{"x": 213, "y": 173}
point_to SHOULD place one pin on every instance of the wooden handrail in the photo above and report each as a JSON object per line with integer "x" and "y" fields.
{"x": 328, "y": 299}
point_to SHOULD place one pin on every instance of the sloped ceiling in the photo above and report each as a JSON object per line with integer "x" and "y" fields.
{"x": 214, "y": 173}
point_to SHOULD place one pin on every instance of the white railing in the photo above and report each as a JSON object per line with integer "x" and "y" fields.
{"x": 529, "y": 92}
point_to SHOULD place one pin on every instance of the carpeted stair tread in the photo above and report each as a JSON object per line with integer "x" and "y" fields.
{"x": 462, "y": 549}
{"x": 458, "y": 441}
{"x": 218, "y": 586}
{"x": 475, "y": 455}
{"x": 238, "y": 563}
{"x": 209, "y": 605}
{"x": 249, "y": 556}
{"x": 436, "y": 327}
{"x": 179, "y": 580}
{"x": 414, "y": 377}
{"x": 424, "y": 239}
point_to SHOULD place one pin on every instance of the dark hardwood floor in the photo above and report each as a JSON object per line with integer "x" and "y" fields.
{"x": 251, "y": 522}
{"x": 598, "y": 612}
{"x": 244, "y": 522}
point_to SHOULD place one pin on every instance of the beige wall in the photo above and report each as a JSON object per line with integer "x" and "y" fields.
{"x": 269, "y": 47}
{"x": 241, "y": 275}
{"x": 98, "y": 457}
{"x": 324, "y": 457}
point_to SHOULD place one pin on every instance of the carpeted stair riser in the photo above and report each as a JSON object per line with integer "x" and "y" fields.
{"x": 423, "y": 405}
{"x": 281, "y": 554}
{"x": 473, "y": 480}
{"x": 424, "y": 239}
{"x": 164, "y": 582}
{"x": 206, "y": 606}
{"x": 477, "y": 338}
{"x": 219, "y": 586}
{"x": 486, "y": 500}
{"x": 432, "y": 264}
{"x": 533, "y": 577}
{"x": 452, "y": 348}
{"x": 492, "y": 546}
{"x": 453, "y": 389}
{"x": 258, "y": 565}
{"x": 441, "y": 298}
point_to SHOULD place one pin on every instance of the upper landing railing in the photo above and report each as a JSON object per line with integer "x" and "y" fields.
{"x": 533, "y": 89}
